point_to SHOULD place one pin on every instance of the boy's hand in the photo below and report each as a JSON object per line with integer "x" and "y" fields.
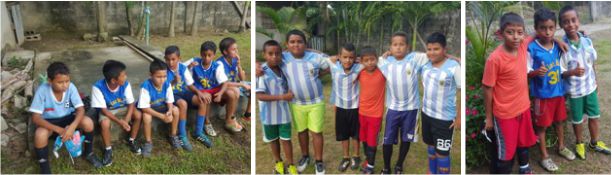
{"x": 578, "y": 71}
{"x": 205, "y": 97}
{"x": 68, "y": 133}
{"x": 168, "y": 117}
{"x": 562, "y": 45}
{"x": 455, "y": 124}
{"x": 217, "y": 97}
{"x": 246, "y": 86}
{"x": 288, "y": 96}
{"x": 193, "y": 64}
{"x": 333, "y": 58}
{"x": 386, "y": 54}
{"x": 258, "y": 70}
{"x": 454, "y": 58}
{"x": 489, "y": 124}
{"x": 125, "y": 125}
{"x": 542, "y": 70}
{"x": 237, "y": 58}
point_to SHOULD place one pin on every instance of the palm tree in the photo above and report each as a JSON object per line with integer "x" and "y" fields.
{"x": 284, "y": 20}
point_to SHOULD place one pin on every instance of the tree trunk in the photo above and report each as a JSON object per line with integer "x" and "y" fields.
{"x": 128, "y": 15}
{"x": 102, "y": 34}
{"x": 243, "y": 17}
{"x": 185, "y": 17}
{"x": 194, "y": 24}
{"x": 172, "y": 11}
{"x": 141, "y": 22}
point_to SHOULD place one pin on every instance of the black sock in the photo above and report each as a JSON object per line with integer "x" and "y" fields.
{"x": 318, "y": 161}
{"x": 504, "y": 166}
{"x": 523, "y": 156}
{"x": 365, "y": 148}
{"x": 247, "y": 114}
{"x": 387, "y": 151}
{"x": 88, "y": 143}
{"x": 371, "y": 155}
{"x": 404, "y": 148}
{"x": 43, "y": 160}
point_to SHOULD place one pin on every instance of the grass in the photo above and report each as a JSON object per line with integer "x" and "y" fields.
{"x": 416, "y": 160}
{"x": 230, "y": 153}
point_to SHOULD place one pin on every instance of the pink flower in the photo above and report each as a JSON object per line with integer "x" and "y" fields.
{"x": 473, "y": 135}
{"x": 474, "y": 112}
{"x": 468, "y": 112}
{"x": 472, "y": 88}
{"x": 476, "y": 97}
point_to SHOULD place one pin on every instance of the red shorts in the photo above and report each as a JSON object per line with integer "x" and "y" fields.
{"x": 513, "y": 133}
{"x": 369, "y": 127}
{"x": 548, "y": 110}
{"x": 212, "y": 91}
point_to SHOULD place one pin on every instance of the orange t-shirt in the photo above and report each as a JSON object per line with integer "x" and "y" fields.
{"x": 507, "y": 75}
{"x": 371, "y": 93}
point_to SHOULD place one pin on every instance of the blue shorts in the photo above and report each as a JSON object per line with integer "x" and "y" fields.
{"x": 403, "y": 122}
{"x": 185, "y": 95}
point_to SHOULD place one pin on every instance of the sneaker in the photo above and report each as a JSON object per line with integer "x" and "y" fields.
{"x": 569, "y": 155}
{"x": 134, "y": 147}
{"x": 344, "y": 164}
{"x": 292, "y": 170}
{"x": 185, "y": 143}
{"x": 600, "y": 146}
{"x": 367, "y": 169}
{"x": 204, "y": 140}
{"x": 94, "y": 160}
{"x": 319, "y": 168}
{"x": 175, "y": 142}
{"x": 279, "y": 168}
{"x": 580, "y": 152}
{"x": 303, "y": 163}
{"x": 108, "y": 157}
{"x": 398, "y": 170}
{"x": 527, "y": 170}
{"x": 210, "y": 130}
{"x": 355, "y": 161}
{"x": 385, "y": 171}
{"x": 549, "y": 165}
{"x": 146, "y": 150}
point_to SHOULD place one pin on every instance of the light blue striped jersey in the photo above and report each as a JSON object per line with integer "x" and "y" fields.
{"x": 303, "y": 76}
{"x": 402, "y": 80}
{"x": 345, "y": 89}
{"x": 586, "y": 55}
{"x": 273, "y": 112}
{"x": 49, "y": 107}
{"x": 440, "y": 85}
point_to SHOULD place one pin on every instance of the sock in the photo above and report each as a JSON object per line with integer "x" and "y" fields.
{"x": 247, "y": 114}
{"x": 89, "y": 140}
{"x": 431, "y": 156}
{"x": 318, "y": 161}
{"x": 181, "y": 128}
{"x": 371, "y": 155}
{"x": 199, "y": 129}
{"x": 387, "y": 151}
{"x": 593, "y": 142}
{"x": 131, "y": 139}
{"x": 108, "y": 148}
{"x": 404, "y": 148}
{"x": 43, "y": 160}
{"x": 443, "y": 165}
{"x": 504, "y": 166}
{"x": 523, "y": 157}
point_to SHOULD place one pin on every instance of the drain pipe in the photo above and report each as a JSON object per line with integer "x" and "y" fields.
{"x": 147, "y": 34}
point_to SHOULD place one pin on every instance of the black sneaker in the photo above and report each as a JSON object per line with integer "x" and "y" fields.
{"x": 368, "y": 170}
{"x": 94, "y": 160}
{"x": 319, "y": 168}
{"x": 385, "y": 171}
{"x": 45, "y": 168}
{"x": 344, "y": 164}
{"x": 134, "y": 147}
{"x": 355, "y": 162}
{"x": 303, "y": 163}
{"x": 108, "y": 157}
{"x": 398, "y": 170}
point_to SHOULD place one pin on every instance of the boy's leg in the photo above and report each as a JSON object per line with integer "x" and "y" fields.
{"x": 231, "y": 99}
{"x": 174, "y": 123}
{"x": 577, "y": 111}
{"x": 390, "y": 137}
{"x": 408, "y": 135}
{"x": 87, "y": 126}
{"x": 526, "y": 139}
{"x": 146, "y": 120}
{"x": 544, "y": 114}
{"x": 593, "y": 112}
{"x": 182, "y": 122}
{"x": 285, "y": 140}
{"x": 105, "y": 125}
{"x": 41, "y": 139}
{"x": 315, "y": 125}
{"x": 442, "y": 136}
{"x": 136, "y": 123}
{"x": 342, "y": 131}
{"x": 507, "y": 138}
{"x": 428, "y": 138}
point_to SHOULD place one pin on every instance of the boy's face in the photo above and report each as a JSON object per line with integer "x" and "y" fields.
{"x": 399, "y": 47}
{"x": 172, "y": 60}
{"x": 369, "y": 61}
{"x": 159, "y": 77}
{"x": 207, "y": 55}
{"x": 60, "y": 83}
{"x": 513, "y": 35}
{"x": 435, "y": 52}
{"x": 232, "y": 51}
{"x": 272, "y": 55}
{"x": 122, "y": 77}
{"x": 296, "y": 45}
{"x": 347, "y": 58}
{"x": 570, "y": 22}
{"x": 545, "y": 30}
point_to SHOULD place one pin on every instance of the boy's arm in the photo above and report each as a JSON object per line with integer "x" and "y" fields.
{"x": 261, "y": 96}
{"x": 79, "y": 114}
{"x": 221, "y": 78}
{"x": 488, "y": 99}
{"x": 154, "y": 113}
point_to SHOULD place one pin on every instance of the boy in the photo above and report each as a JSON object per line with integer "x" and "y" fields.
{"x": 581, "y": 83}
{"x": 371, "y": 105}
{"x": 546, "y": 85}
{"x": 507, "y": 98}
{"x": 112, "y": 97}
{"x": 273, "y": 94}
{"x": 441, "y": 80}
{"x": 231, "y": 63}
{"x": 211, "y": 82}
{"x": 182, "y": 85}
{"x": 345, "y": 97}
{"x": 57, "y": 109}
{"x": 156, "y": 100}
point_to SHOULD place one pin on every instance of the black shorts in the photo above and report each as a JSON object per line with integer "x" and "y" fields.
{"x": 64, "y": 121}
{"x": 185, "y": 95}
{"x": 160, "y": 108}
{"x": 347, "y": 124}
{"x": 436, "y": 133}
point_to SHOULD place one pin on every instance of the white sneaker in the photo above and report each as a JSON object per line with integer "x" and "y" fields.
{"x": 210, "y": 130}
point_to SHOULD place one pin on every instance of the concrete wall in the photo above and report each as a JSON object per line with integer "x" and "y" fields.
{"x": 8, "y": 36}
{"x": 80, "y": 17}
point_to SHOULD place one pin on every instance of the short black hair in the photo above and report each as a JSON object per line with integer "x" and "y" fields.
{"x": 270, "y": 43}
{"x": 348, "y": 47}
{"x": 564, "y": 10}
{"x": 157, "y": 65}
{"x": 402, "y": 34}
{"x": 225, "y": 44}
{"x": 367, "y": 50}
{"x": 296, "y": 32}
{"x": 57, "y": 68}
{"x": 112, "y": 69}
{"x": 172, "y": 49}
{"x": 208, "y": 45}
{"x": 543, "y": 15}
{"x": 510, "y": 18}
{"x": 437, "y": 37}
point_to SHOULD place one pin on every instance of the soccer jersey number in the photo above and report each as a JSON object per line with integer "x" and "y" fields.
{"x": 554, "y": 77}
{"x": 443, "y": 145}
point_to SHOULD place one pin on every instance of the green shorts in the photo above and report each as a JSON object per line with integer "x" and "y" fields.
{"x": 273, "y": 132}
{"x": 308, "y": 116}
{"x": 580, "y": 106}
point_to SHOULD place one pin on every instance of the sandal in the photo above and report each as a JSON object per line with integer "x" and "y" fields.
{"x": 233, "y": 127}
{"x": 549, "y": 165}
